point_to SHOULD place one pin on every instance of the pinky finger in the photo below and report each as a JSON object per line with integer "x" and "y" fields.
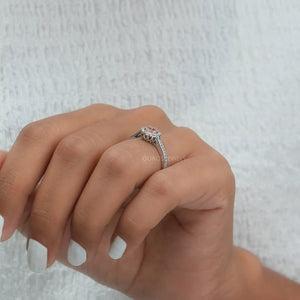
{"x": 161, "y": 193}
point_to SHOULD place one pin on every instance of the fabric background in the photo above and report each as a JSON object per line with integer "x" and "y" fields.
{"x": 230, "y": 70}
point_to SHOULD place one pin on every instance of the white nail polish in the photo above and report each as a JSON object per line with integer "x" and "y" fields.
{"x": 76, "y": 254}
{"x": 1, "y": 226}
{"x": 36, "y": 256}
{"x": 117, "y": 248}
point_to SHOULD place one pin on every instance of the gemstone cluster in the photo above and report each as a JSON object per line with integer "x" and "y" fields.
{"x": 150, "y": 134}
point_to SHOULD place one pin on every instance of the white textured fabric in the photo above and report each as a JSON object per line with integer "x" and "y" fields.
{"x": 228, "y": 69}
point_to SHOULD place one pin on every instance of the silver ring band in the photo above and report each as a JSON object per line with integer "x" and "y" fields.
{"x": 152, "y": 135}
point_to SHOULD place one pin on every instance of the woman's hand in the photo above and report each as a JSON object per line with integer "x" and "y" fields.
{"x": 77, "y": 176}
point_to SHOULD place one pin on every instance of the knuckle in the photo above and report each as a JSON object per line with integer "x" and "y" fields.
{"x": 226, "y": 179}
{"x": 36, "y": 131}
{"x": 224, "y": 165}
{"x": 95, "y": 106}
{"x": 188, "y": 132}
{"x": 159, "y": 184}
{"x": 73, "y": 147}
{"x": 103, "y": 106}
{"x": 116, "y": 161}
{"x": 103, "y": 111}
{"x": 229, "y": 178}
{"x": 154, "y": 110}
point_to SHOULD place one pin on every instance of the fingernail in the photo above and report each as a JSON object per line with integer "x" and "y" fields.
{"x": 36, "y": 256}
{"x": 1, "y": 226}
{"x": 76, "y": 254}
{"x": 117, "y": 248}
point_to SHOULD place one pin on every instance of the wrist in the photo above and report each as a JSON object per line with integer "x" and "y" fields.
{"x": 244, "y": 277}
{"x": 248, "y": 279}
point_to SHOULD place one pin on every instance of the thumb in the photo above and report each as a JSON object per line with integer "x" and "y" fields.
{"x": 3, "y": 155}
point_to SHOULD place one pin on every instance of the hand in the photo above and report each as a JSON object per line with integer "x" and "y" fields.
{"x": 77, "y": 176}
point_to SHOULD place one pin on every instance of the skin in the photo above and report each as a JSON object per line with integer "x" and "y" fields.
{"x": 96, "y": 184}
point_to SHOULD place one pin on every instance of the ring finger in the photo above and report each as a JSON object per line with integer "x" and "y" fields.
{"x": 122, "y": 168}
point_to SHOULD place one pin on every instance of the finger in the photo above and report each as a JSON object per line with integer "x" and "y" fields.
{"x": 2, "y": 159}
{"x": 71, "y": 165}
{"x": 30, "y": 154}
{"x": 3, "y": 155}
{"x": 120, "y": 170}
{"x": 183, "y": 189}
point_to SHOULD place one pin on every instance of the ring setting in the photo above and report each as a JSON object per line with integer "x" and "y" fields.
{"x": 152, "y": 135}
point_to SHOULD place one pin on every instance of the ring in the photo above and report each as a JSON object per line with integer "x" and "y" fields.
{"x": 151, "y": 135}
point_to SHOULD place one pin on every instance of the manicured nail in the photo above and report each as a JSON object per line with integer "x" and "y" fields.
{"x": 117, "y": 248}
{"x": 37, "y": 256}
{"x": 1, "y": 226}
{"x": 76, "y": 254}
